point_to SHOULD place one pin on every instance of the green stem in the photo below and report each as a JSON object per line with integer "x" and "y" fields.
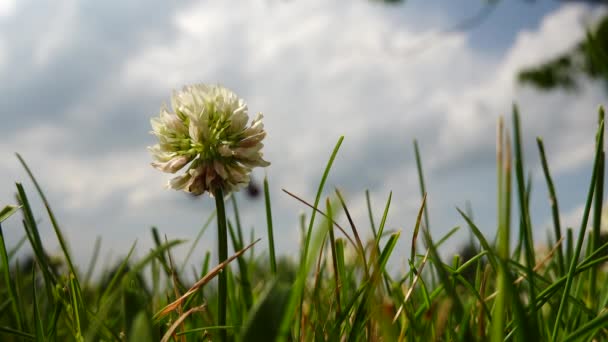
{"x": 222, "y": 247}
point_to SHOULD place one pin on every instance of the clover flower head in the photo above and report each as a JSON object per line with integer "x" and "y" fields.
{"x": 206, "y": 131}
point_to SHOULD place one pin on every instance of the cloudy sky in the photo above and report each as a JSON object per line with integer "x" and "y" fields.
{"x": 81, "y": 80}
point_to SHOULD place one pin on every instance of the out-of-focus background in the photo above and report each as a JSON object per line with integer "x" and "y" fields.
{"x": 81, "y": 80}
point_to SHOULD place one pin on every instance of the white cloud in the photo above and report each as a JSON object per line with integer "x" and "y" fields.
{"x": 7, "y": 7}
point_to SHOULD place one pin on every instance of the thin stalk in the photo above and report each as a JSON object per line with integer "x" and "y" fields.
{"x": 222, "y": 247}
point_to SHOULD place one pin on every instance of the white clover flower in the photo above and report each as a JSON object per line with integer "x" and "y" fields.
{"x": 207, "y": 130}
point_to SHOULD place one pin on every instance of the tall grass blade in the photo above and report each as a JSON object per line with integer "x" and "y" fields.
{"x": 524, "y": 214}
{"x": 58, "y": 233}
{"x": 421, "y": 181}
{"x": 271, "y": 249}
{"x": 8, "y": 281}
{"x": 561, "y": 266}
{"x": 577, "y": 251}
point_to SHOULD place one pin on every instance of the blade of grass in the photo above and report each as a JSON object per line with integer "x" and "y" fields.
{"x": 421, "y": 180}
{"x": 204, "y": 280}
{"x": 16, "y": 248}
{"x": 570, "y": 276}
{"x": 369, "y": 212}
{"x": 31, "y": 229}
{"x": 16, "y": 332}
{"x": 196, "y": 240}
{"x": 594, "y": 324}
{"x": 119, "y": 272}
{"x": 39, "y": 329}
{"x": 62, "y": 242}
{"x": 243, "y": 270}
{"x": 526, "y": 225}
{"x": 271, "y": 249}
{"x": 597, "y": 211}
{"x": 354, "y": 229}
{"x": 7, "y": 281}
{"x": 554, "y": 206}
{"x": 482, "y": 240}
{"x": 93, "y": 262}
{"x": 7, "y": 211}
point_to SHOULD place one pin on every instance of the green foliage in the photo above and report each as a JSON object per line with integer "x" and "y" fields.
{"x": 588, "y": 59}
{"x": 340, "y": 289}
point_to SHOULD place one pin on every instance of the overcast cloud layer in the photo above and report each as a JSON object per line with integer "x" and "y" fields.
{"x": 85, "y": 78}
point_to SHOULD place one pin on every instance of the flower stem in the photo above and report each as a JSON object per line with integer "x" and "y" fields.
{"x": 222, "y": 241}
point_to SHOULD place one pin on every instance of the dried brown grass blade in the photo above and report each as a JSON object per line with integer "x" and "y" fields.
{"x": 204, "y": 280}
{"x": 180, "y": 320}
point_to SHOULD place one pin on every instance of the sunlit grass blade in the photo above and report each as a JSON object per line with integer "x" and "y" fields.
{"x": 7, "y": 211}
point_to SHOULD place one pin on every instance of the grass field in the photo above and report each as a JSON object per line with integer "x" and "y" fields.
{"x": 340, "y": 288}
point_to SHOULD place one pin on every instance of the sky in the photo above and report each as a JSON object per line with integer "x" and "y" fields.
{"x": 82, "y": 80}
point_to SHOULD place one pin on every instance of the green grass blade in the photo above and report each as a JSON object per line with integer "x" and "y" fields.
{"x": 303, "y": 266}
{"x": 16, "y": 332}
{"x": 370, "y": 213}
{"x": 8, "y": 282}
{"x": 93, "y": 262}
{"x": 482, "y": 240}
{"x": 271, "y": 249}
{"x": 243, "y": 269}
{"x": 526, "y": 226}
{"x": 421, "y": 181}
{"x": 197, "y": 239}
{"x": 593, "y": 325}
{"x": 570, "y": 276}
{"x": 62, "y": 242}
{"x": 7, "y": 211}
{"x": 237, "y": 218}
{"x": 39, "y": 329}
{"x": 31, "y": 229}
{"x": 269, "y": 309}
{"x": 598, "y": 204}
{"x": 334, "y": 257}
{"x": 119, "y": 272}
{"x": 318, "y": 196}
{"x": 554, "y": 206}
